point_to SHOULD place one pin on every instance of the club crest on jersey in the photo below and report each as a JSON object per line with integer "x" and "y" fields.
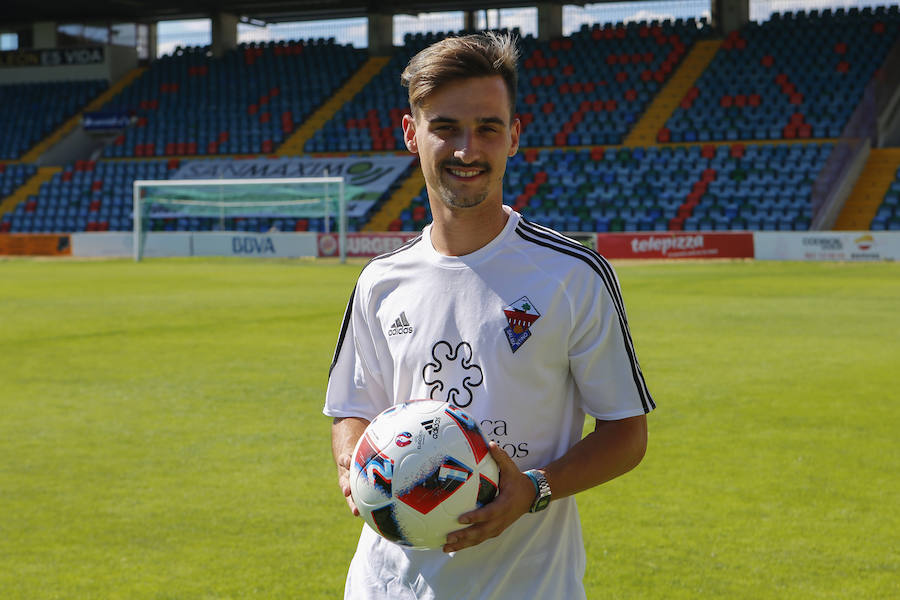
{"x": 520, "y": 315}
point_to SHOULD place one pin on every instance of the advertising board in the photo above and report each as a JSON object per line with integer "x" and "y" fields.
{"x": 676, "y": 244}
{"x": 828, "y": 245}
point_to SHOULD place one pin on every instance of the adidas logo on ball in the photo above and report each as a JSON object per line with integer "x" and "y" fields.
{"x": 431, "y": 426}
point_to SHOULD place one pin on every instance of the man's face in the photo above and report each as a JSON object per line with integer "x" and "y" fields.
{"x": 463, "y": 133}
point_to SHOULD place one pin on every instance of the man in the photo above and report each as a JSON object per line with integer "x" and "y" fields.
{"x": 520, "y": 326}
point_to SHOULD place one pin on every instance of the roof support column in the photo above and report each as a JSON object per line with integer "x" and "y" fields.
{"x": 381, "y": 34}
{"x": 549, "y": 21}
{"x": 729, "y": 15}
{"x": 43, "y": 35}
{"x": 224, "y": 33}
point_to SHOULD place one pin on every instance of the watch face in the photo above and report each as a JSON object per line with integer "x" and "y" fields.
{"x": 542, "y": 503}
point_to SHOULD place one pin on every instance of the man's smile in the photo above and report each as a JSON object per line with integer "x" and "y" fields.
{"x": 466, "y": 172}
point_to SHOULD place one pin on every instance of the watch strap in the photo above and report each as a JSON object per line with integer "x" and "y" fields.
{"x": 542, "y": 493}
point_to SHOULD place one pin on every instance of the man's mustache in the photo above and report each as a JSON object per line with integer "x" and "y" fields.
{"x": 456, "y": 163}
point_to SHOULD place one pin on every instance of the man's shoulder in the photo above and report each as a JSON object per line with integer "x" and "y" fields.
{"x": 557, "y": 251}
{"x": 406, "y": 253}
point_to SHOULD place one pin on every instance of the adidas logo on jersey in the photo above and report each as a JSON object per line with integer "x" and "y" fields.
{"x": 400, "y": 326}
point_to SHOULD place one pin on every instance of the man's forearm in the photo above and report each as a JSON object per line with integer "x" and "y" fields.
{"x": 345, "y": 432}
{"x": 611, "y": 450}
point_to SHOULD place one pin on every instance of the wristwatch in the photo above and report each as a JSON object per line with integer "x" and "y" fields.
{"x": 541, "y": 490}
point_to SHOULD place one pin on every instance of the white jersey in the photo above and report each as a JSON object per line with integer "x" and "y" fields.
{"x": 527, "y": 334}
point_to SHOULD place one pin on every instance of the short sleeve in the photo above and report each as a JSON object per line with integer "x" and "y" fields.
{"x": 355, "y": 385}
{"x": 602, "y": 357}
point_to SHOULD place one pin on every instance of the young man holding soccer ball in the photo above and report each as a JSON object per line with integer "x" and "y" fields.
{"x": 521, "y": 327}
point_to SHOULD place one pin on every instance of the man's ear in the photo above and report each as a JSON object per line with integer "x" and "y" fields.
{"x": 515, "y": 132}
{"x": 409, "y": 133}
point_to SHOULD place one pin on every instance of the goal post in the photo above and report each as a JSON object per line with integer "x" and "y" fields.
{"x": 221, "y": 204}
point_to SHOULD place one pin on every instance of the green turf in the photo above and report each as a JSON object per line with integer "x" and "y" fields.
{"x": 162, "y": 437}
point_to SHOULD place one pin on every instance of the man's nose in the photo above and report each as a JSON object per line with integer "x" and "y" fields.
{"x": 467, "y": 147}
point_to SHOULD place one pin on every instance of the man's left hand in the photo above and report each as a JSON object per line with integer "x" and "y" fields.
{"x": 513, "y": 500}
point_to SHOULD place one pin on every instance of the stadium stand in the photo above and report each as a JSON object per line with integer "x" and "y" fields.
{"x": 12, "y": 176}
{"x": 31, "y": 111}
{"x": 88, "y": 196}
{"x": 593, "y": 86}
{"x": 586, "y": 89}
{"x": 865, "y": 207}
{"x": 741, "y": 148}
{"x": 795, "y": 76}
{"x": 247, "y": 102}
{"x": 98, "y": 196}
{"x": 764, "y": 187}
{"x": 887, "y": 217}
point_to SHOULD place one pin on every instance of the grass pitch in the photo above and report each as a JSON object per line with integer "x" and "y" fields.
{"x": 162, "y": 436}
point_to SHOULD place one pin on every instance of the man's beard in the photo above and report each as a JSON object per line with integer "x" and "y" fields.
{"x": 455, "y": 199}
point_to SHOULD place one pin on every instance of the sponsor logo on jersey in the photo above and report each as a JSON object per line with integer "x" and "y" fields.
{"x": 452, "y": 375}
{"x": 520, "y": 316}
{"x": 401, "y": 326}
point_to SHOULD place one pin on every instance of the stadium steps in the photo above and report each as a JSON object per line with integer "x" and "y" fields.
{"x": 97, "y": 103}
{"x": 869, "y": 191}
{"x": 666, "y": 101}
{"x": 396, "y": 203}
{"x": 293, "y": 146}
{"x": 30, "y": 188}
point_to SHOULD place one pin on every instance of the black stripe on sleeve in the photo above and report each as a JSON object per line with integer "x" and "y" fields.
{"x": 345, "y": 324}
{"x": 348, "y": 313}
{"x": 554, "y": 241}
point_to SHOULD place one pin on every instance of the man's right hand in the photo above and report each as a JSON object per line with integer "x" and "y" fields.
{"x": 345, "y": 432}
{"x": 343, "y": 463}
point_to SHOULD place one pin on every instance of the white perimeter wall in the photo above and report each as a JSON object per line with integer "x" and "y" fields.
{"x": 269, "y": 245}
{"x": 808, "y": 245}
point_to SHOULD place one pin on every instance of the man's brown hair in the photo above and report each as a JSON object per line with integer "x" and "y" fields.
{"x": 484, "y": 54}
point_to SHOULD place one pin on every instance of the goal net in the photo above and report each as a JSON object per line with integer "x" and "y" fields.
{"x": 238, "y": 205}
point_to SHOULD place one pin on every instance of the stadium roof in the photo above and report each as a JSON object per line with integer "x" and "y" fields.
{"x": 106, "y": 11}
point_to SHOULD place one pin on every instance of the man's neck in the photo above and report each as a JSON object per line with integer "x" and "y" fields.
{"x": 461, "y": 231}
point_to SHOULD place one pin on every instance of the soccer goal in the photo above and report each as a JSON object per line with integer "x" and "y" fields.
{"x": 237, "y": 205}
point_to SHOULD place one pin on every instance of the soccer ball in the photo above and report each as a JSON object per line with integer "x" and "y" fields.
{"x": 417, "y": 467}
